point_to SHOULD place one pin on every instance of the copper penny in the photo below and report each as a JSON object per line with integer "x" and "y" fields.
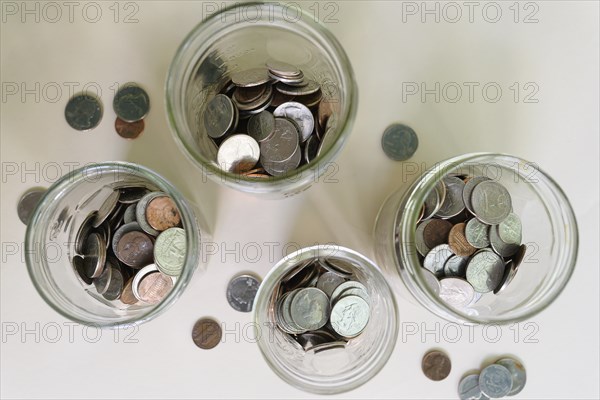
{"x": 135, "y": 249}
{"x": 247, "y": 95}
{"x": 154, "y": 287}
{"x": 129, "y": 130}
{"x": 127, "y": 296}
{"x": 436, "y": 365}
{"x": 458, "y": 241}
{"x": 162, "y": 213}
{"x": 207, "y": 333}
{"x": 436, "y": 232}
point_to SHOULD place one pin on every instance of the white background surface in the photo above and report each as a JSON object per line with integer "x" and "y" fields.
{"x": 560, "y": 132}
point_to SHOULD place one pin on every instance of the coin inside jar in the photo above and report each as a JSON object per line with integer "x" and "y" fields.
{"x": 135, "y": 249}
{"x": 162, "y": 213}
{"x": 154, "y": 287}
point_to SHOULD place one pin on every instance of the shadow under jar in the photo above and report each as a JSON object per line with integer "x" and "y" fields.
{"x": 533, "y": 274}
{"x": 51, "y": 243}
{"x": 332, "y": 363}
{"x": 253, "y": 39}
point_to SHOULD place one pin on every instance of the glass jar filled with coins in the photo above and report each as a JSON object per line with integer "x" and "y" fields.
{"x": 261, "y": 97}
{"x": 480, "y": 238}
{"x": 326, "y": 320}
{"x": 112, "y": 244}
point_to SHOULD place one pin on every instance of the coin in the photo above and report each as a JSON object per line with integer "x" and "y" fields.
{"x": 79, "y": 266}
{"x": 436, "y": 365}
{"x": 340, "y": 290}
{"x": 399, "y": 142}
{"x": 456, "y": 266}
{"x": 132, "y": 195}
{"x": 420, "y": 244}
{"x": 310, "y": 87}
{"x": 510, "y": 229}
{"x": 299, "y": 114}
{"x": 83, "y": 112}
{"x": 154, "y": 287}
{"x": 456, "y": 292}
{"x": 517, "y": 371}
{"x": 436, "y": 259}
{"x": 477, "y": 233}
{"x": 282, "y": 145}
{"x": 433, "y": 201}
{"x": 135, "y": 249}
{"x": 311, "y": 148}
{"x": 468, "y": 190}
{"x": 485, "y": 271}
{"x": 310, "y": 308}
{"x": 140, "y": 212}
{"x": 219, "y": 116}
{"x": 129, "y": 214}
{"x": 491, "y": 202}
{"x": 282, "y": 69}
{"x": 337, "y": 265}
{"x": 468, "y": 388}
{"x": 102, "y": 282}
{"x": 250, "y": 77}
{"x": 115, "y": 286}
{"x": 329, "y": 281}
{"x": 255, "y": 106}
{"x": 495, "y": 381}
{"x": 350, "y": 316}
{"x": 123, "y": 229}
{"x": 127, "y": 296}
{"x": 499, "y": 246}
{"x": 436, "y": 232}
{"x": 261, "y": 126}
{"x": 458, "y": 242}
{"x": 510, "y": 271}
{"x": 106, "y": 209}
{"x": 206, "y": 333}
{"x": 241, "y": 292}
{"x": 431, "y": 280}
{"x": 162, "y": 213}
{"x": 283, "y": 167}
{"x": 310, "y": 100}
{"x": 27, "y": 203}
{"x": 170, "y": 251}
{"x": 129, "y": 130}
{"x": 245, "y": 95}
{"x": 131, "y": 103}
{"x": 308, "y": 340}
{"x": 238, "y": 153}
{"x": 141, "y": 274}
{"x": 94, "y": 255}
{"x": 453, "y": 202}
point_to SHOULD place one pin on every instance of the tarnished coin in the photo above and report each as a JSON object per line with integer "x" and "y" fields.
{"x": 468, "y": 190}
{"x": 255, "y": 106}
{"x": 127, "y": 296}
{"x": 310, "y": 87}
{"x": 436, "y": 365}
{"x": 510, "y": 271}
{"x": 456, "y": 266}
{"x": 135, "y": 249}
{"x": 106, "y": 209}
{"x": 154, "y": 287}
{"x": 495, "y": 381}
{"x": 83, "y": 112}
{"x": 170, "y": 251}
{"x": 491, "y": 202}
{"x": 243, "y": 95}
{"x": 499, "y": 246}
{"x": 434, "y": 200}
{"x": 431, "y": 280}
{"x": 219, "y": 116}
{"x": 284, "y": 167}
{"x": 132, "y": 195}
{"x": 123, "y": 229}
{"x": 27, "y": 203}
{"x": 510, "y": 229}
{"x": 485, "y": 271}
{"x": 250, "y": 77}
{"x": 436, "y": 232}
{"x": 115, "y": 286}
{"x": 94, "y": 255}
{"x": 79, "y": 266}
{"x": 129, "y": 130}
{"x": 453, "y": 202}
{"x": 350, "y": 316}
{"x": 310, "y": 308}
{"x": 140, "y": 212}
{"x": 299, "y": 114}
{"x": 311, "y": 148}
{"x": 436, "y": 259}
{"x": 282, "y": 145}
{"x": 261, "y": 126}
{"x": 207, "y": 333}
{"x": 399, "y": 142}
{"x": 238, "y": 153}
{"x": 328, "y": 282}
{"x": 83, "y": 232}
{"x": 241, "y": 292}
{"x": 468, "y": 388}
{"x": 310, "y": 100}
{"x": 129, "y": 214}
{"x": 477, "y": 233}
{"x": 102, "y": 282}
{"x": 517, "y": 371}
{"x": 131, "y": 103}
{"x": 325, "y": 110}
{"x": 162, "y": 213}
{"x": 458, "y": 242}
{"x": 420, "y": 244}
{"x": 456, "y": 292}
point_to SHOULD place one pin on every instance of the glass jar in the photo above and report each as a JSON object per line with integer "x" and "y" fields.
{"x": 243, "y": 37}
{"x": 549, "y": 232}
{"x": 336, "y": 371}
{"x": 50, "y": 244}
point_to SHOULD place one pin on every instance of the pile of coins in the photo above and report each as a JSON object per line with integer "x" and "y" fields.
{"x": 133, "y": 247}
{"x": 320, "y": 305}
{"x": 268, "y": 121}
{"x": 469, "y": 238}
{"x": 506, "y": 377}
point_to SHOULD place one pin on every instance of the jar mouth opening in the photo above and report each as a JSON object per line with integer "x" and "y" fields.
{"x": 326, "y": 384}
{"x": 213, "y": 29}
{"x": 34, "y": 237}
{"x": 406, "y": 258}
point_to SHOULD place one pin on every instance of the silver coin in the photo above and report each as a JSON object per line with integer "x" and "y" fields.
{"x": 468, "y": 388}
{"x": 83, "y": 232}
{"x": 94, "y": 255}
{"x": 344, "y": 286}
{"x": 431, "y": 204}
{"x": 106, "y": 208}
{"x": 495, "y": 381}
{"x": 310, "y": 308}
{"x": 399, "y": 142}
{"x": 28, "y": 202}
{"x": 456, "y": 292}
{"x": 287, "y": 314}
{"x": 453, "y": 202}
{"x": 219, "y": 116}
{"x": 255, "y": 106}
{"x": 311, "y": 148}
{"x": 310, "y": 87}
{"x": 420, "y": 244}
{"x": 250, "y": 77}
{"x": 170, "y": 250}
{"x": 328, "y": 282}
{"x": 308, "y": 340}
{"x": 510, "y": 270}
{"x": 131, "y": 103}
{"x": 491, "y": 202}
{"x": 477, "y": 233}
{"x": 517, "y": 371}
{"x": 350, "y": 316}
{"x": 436, "y": 259}
{"x": 123, "y": 229}
{"x": 115, "y": 286}
{"x": 468, "y": 190}
{"x": 362, "y": 293}
{"x": 79, "y": 267}
{"x": 456, "y": 266}
{"x": 485, "y": 271}
{"x": 140, "y": 212}
{"x": 241, "y": 292}
{"x": 283, "y": 69}
{"x": 130, "y": 195}
{"x": 329, "y": 136}
{"x": 337, "y": 265}
{"x": 499, "y": 246}
{"x": 291, "y": 81}
{"x": 284, "y": 167}
{"x": 261, "y": 126}
{"x": 510, "y": 229}
{"x": 238, "y": 153}
{"x": 102, "y": 281}
{"x": 300, "y": 114}
{"x": 431, "y": 280}
{"x": 129, "y": 214}
{"x": 282, "y": 145}
{"x": 83, "y": 112}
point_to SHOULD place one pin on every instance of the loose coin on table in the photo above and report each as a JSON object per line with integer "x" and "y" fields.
{"x": 399, "y": 142}
{"x": 468, "y": 388}
{"x": 207, "y": 333}
{"x": 519, "y": 376}
{"x": 131, "y": 103}
{"x": 28, "y": 202}
{"x": 495, "y": 381}
{"x": 83, "y": 112}
{"x": 129, "y": 130}
{"x": 436, "y": 365}
{"x": 241, "y": 292}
